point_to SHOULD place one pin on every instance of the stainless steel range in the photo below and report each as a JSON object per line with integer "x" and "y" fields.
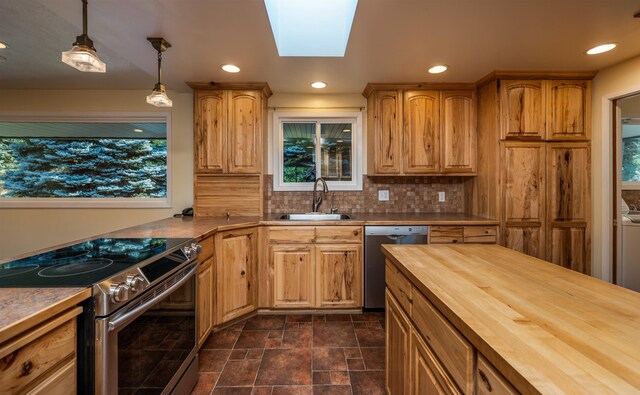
{"x": 138, "y": 331}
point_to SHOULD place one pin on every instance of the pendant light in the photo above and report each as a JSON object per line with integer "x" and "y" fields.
{"x": 82, "y": 55}
{"x": 158, "y": 96}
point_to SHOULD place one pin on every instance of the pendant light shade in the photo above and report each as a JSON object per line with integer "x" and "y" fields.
{"x": 158, "y": 96}
{"x": 82, "y": 55}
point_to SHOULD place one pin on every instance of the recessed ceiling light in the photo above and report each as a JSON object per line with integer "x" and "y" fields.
{"x": 438, "y": 69}
{"x": 346, "y": 130}
{"x": 138, "y": 130}
{"x": 318, "y": 85}
{"x": 3, "y": 45}
{"x": 230, "y": 68}
{"x": 601, "y": 48}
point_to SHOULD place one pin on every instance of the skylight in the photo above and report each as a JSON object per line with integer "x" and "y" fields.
{"x": 311, "y": 27}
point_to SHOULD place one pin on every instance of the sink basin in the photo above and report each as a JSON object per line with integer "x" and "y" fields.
{"x": 315, "y": 217}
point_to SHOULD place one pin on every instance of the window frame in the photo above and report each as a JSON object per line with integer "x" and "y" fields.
{"x": 353, "y": 117}
{"x": 119, "y": 117}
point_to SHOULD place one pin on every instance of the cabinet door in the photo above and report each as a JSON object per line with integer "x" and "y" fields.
{"x": 568, "y": 110}
{"x": 569, "y": 205}
{"x": 235, "y": 270}
{"x": 293, "y": 276}
{"x": 421, "y": 132}
{"x": 205, "y": 299}
{"x": 244, "y": 147}
{"x": 427, "y": 375}
{"x": 458, "y": 125}
{"x": 523, "y": 184}
{"x": 522, "y": 109}
{"x": 489, "y": 381}
{"x": 338, "y": 275}
{"x": 387, "y": 135}
{"x": 210, "y": 132}
{"x": 397, "y": 333}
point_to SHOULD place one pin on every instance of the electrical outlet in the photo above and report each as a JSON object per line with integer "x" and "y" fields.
{"x": 383, "y": 195}
{"x": 441, "y": 197}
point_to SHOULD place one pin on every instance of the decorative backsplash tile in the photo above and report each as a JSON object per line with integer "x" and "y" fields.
{"x": 632, "y": 197}
{"x": 406, "y": 194}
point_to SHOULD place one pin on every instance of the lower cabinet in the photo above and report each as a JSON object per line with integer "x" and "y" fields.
{"x": 427, "y": 375}
{"x": 293, "y": 276}
{"x": 205, "y": 299}
{"x": 338, "y": 276}
{"x": 489, "y": 381}
{"x": 397, "y": 338}
{"x": 470, "y": 234}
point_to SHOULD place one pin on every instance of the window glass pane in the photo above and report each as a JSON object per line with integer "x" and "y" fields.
{"x": 83, "y": 160}
{"x": 631, "y": 159}
{"x": 299, "y": 152}
{"x": 335, "y": 153}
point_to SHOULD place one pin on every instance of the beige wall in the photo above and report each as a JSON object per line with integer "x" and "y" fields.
{"x": 611, "y": 83}
{"x": 24, "y": 230}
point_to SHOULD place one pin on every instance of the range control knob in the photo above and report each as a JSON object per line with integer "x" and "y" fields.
{"x": 192, "y": 250}
{"x": 118, "y": 292}
{"x": 135, "y": 282}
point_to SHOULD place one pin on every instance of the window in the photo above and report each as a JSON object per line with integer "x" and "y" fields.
{"x": 81, "y": 161}
{"x": 630, "y": 156}
{"x": 327, "y": 146}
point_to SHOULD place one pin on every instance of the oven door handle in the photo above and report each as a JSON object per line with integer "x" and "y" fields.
{"x": 129, "y": 316}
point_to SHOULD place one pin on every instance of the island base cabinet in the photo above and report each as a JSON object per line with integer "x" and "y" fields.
{"x": 427, "y": 375}
{"x": 489, "y": 381}
{"x": 397, "y": 333}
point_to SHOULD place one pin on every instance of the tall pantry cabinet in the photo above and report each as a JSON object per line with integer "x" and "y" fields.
{"x": 534, "y": 164}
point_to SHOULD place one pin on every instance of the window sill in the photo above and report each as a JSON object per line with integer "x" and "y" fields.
{"x": 84, "y": 203}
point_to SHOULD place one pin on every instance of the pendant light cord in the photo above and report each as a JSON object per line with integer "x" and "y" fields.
{"x": 84, "y": 17}
{"x": 159, "y": 66}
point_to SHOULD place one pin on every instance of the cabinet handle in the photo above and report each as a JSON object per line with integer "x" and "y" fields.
{"x": 26, "y": 369}
{"x": 485, "y": 380}
{"x": 6, "y": 362}
{"x": 242, "y": 273}
{"x": 249, "y": 236}
{"x": 455, "y": 241}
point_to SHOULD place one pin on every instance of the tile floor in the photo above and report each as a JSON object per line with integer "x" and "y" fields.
{"x": 295, "y": 354}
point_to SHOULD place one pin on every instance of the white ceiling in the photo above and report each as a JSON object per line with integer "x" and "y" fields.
{"x": 391, "y": 41}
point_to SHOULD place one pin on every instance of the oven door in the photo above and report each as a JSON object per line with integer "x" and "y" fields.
{"x": 148, "y": 344}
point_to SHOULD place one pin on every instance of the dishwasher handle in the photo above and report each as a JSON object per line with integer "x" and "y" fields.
{"x": 396, "y": 237}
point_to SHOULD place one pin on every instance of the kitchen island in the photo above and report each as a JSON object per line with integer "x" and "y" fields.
{"x": 465, "y": 318}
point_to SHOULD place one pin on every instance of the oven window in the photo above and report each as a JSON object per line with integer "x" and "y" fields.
{"x": 152, "y": 349}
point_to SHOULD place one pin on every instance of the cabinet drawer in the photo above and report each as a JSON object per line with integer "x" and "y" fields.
{"x": 490, "y": 381}
{"x": 480, "y": 234}
{"x": 292, "y": 234}
{"x": 338, "y": 234}
{"x": 399, "y": 286}
{"x": 61, "y": 382}
{"x": 427, "y": 374}
{"x": 446, "y": 234}
{"x": 207, "y": 248}
{"x": 25, "y": 365}
{"x": 453, "y": 350}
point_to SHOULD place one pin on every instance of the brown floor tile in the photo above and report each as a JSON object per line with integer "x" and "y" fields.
{"x": 331, "y": 390}
{"x": 375, "y": 316}
{"x": 239, "y": 373}
{"x": 297, "y": 339}
{"x": 291, "y": 326}
{"x": 262, "y": 390}
{"x": 252, "y": 339}
{"x": 299, "y": 318}
{"x": 273, "y": 343}
{"x": 306, "y": 325}
{"x": 367, "y": 324}
{"x": 285, "y": 367}
{"x": 319, "y": 318}
{"x": 205, "y": 384}
{"x": 352, "y": 352}
{"x": 370, "y": 337}
{"x": 265, "y": 322}
{"x": 221, "y": 340}
{"x": 373, "y": 358}
{"x": 238, "y": 354}
{"x": 292, "y": 390}
{"x": 275, "y": 334}
{"x": 329, "y": 359}
{"x": 321, "y": 377}
{"x": 232, "y": 391}
{"x": 367, "y": 383}
{"x": 334, "y": 334}
{"x": 255, "y": 354}
{"x": 355, "y": 364}
{"x": 339, "y": 378}
{"x": 212, "y": 360}
{"x": 338, "y": 317}
{"x": 237, "y": 326}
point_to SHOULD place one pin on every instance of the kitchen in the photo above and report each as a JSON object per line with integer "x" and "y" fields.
{"x": 66, "y": 91}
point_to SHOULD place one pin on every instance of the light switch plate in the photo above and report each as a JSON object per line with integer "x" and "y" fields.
{"x": 441, "y": 197}
{"x": 383, "y": 195}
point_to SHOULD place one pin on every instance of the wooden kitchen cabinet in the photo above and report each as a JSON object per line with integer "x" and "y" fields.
{"x": 339, "y": 275}
{"x": 397, "y": 339}
{"x": 427, "y": 374}
{"x": 210, "y": 122}
{"x": 522, "y": 109}
{"x": 568, "y": 110}
{"x": 489, "y": 381}
{"x": 205, "y": 300}
{"x": 244, "y": 135}
{"x": 523, "y": 186}
{"x": 421, "y": 132}
{"x": 386, "y": 120}
{"x": 235, "y": 269}
{"x": 457, "y": 234}
{"x": 458, "y": 132}
{"x": 293, "y": 276}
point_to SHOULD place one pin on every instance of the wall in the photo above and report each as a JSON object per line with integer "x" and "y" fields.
{"x": 611, "y": 83}
{"x": 24, "y": 230}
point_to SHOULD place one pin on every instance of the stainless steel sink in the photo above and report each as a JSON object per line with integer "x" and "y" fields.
{"x": 315, "y": 217}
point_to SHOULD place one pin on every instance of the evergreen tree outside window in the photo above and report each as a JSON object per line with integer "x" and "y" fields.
{"x": 101, "y": 162}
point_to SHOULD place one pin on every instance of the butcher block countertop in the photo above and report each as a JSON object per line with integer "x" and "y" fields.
{"x": 547, "y": 329}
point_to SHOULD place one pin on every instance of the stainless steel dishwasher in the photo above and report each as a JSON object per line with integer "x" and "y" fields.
{"x": 375, "y": 236}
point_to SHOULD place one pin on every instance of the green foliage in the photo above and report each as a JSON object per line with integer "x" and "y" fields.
{"x": 631, "y": 160}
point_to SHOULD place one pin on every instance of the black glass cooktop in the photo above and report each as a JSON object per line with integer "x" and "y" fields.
{"x": 83, "y": 264}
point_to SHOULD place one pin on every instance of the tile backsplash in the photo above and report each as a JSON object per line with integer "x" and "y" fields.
{"x": 406, "y": 194}
{"x": 632, "y": 197}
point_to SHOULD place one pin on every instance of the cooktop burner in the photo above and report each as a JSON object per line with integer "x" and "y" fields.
{"x": 83, "y": 264}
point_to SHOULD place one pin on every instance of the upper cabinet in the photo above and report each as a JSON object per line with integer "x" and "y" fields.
{"x": 552, "y": 110}
{"x": 210, "y": 131}
{"x": 244, "y": 134}
{"x": 421, "y": 132}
